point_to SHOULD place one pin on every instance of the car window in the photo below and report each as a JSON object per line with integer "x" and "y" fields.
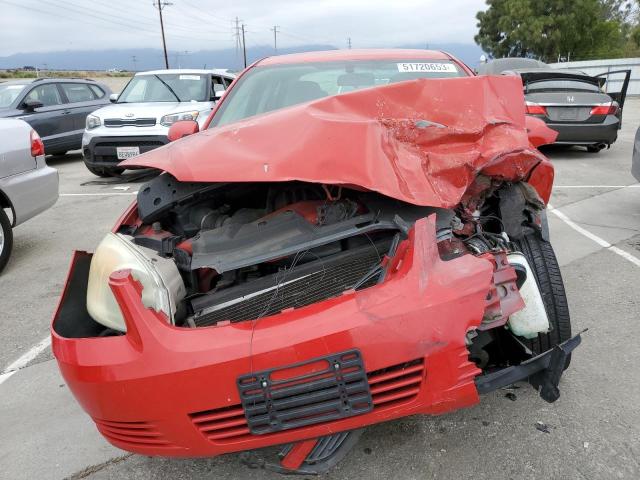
{"x": 217, "y": 83}
{"x": 97, "y": 91}
{"x": 227, "y": 81}
{"x": 78, "y": 92}
{"x": 8, "y": 94}
{"x": 166, "y": 87}
{"x": 264, "y": 89}
{"x": 47, "y": 94}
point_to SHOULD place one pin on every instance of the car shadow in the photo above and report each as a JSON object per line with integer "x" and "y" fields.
{"x": 69, "y": 157}
{"x": 568, "y": 152}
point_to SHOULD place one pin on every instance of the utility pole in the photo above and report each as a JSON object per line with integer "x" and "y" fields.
{"x": 275, "y": 37}
{"x": 244, "y": 48}
{"x": 349, "y": 43}
{"x": 238, "y": 39}
{"x": 160, "y": 4}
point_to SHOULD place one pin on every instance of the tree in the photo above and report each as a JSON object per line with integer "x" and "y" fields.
{"x": 546, "y": 29}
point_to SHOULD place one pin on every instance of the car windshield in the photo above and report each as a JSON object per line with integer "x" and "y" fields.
{"x": 166, "y": 87}
{"x": 8, "y": 94}
{"x": 561, "y": 85}
{"x": 265, "y": 89}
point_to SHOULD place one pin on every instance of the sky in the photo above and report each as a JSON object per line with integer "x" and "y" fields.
{"x": 192, "y": 25}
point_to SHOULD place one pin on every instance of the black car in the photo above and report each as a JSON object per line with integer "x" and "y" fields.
{"x": 56, "y": 108}
{"x": 576, "y": 105}
{"x": 635, "y": 161}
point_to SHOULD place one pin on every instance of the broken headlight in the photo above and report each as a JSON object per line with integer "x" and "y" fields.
{"x": 162, "y": 286}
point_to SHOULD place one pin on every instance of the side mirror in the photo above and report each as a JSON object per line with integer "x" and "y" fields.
{"x": 31, "y": 105}
{"x": 538, "y": 132}
{"x": 183, "y": 128}
{"x": 113, "y": 98}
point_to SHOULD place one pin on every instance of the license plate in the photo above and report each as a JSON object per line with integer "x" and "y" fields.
{"x": 569, "y": 113}
{"x": 127, "y": 152}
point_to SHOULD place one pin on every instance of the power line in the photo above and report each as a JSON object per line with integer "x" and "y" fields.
{"x": 238, "y": 38}
{"x": 160, "y": 5}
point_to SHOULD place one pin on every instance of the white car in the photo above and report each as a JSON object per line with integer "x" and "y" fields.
{"x": 140, "y": 117}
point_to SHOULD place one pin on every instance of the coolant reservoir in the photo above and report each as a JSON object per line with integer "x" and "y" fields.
{"x": 532, "y": 319}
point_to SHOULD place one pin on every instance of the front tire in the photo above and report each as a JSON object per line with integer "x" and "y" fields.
{"x": 542, "y": 260}
{"x": 6, "y": 239}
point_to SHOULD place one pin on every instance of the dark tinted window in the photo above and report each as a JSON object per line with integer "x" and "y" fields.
{"x": 78, "y": 92}
{"x": 47, "y": 94}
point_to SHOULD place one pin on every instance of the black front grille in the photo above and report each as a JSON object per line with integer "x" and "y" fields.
{"x": 319, "y": 390}
{"x": 129, "y": 122}
{"x": 304, "y": 285}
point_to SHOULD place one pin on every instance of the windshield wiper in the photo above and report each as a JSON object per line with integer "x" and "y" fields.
{"x": 168, "y": 87}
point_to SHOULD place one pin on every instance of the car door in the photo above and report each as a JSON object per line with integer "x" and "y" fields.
{"x": 81, "y": 100}
{"x": 52, "y": 119}
{"x": 616, "y": 85}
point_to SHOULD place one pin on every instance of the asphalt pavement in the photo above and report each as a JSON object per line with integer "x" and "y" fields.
{"x": 591, "y": 432}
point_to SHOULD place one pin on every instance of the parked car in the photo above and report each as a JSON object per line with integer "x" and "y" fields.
{"x": 571, "y": 102}
{"x": 27, "y": 185}
{"x": 351, "y": 239}
{"x": 635, "y": 160}
{"x": 141, "y": 115}
{"x": 56, "y": 108}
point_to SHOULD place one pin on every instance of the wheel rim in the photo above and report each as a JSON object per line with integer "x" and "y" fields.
{"x": 1, "y": 240}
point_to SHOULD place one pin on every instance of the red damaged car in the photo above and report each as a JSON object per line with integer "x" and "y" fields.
{"x": 356, "y": 236}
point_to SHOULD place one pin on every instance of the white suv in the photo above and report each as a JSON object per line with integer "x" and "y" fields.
{"x": 140, "y": 117}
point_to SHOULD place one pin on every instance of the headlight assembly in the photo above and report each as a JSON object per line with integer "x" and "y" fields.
{"x": 92, "y": 122}
{"x": 162, "y": 285}
{"x": 172, "y": 118}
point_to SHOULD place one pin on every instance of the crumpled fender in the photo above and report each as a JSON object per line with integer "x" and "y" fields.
{"x": 421, "y": 141}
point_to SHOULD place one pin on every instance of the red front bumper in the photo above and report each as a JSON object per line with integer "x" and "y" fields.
{"x": 164, "y": 390}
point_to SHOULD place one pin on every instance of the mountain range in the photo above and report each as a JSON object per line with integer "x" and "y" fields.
{"x": 140, "y": 59}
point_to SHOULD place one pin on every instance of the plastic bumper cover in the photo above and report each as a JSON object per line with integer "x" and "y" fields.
{"x": 32, "y": 192}
{"x": 543, "y": 371}
{"x": 102, "y": 151}
{"x": 164, "y": 390}
{"x": 587, "y": 133}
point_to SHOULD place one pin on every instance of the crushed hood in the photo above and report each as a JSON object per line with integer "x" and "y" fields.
{"x": 421, "y": 141}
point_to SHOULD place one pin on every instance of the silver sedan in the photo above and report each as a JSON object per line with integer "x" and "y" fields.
{"x": 27, "y": 185}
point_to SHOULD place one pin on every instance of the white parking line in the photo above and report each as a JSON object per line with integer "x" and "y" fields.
{"x": 109, "y": 194}
{"x": 600, "y": 241}
{"x": 5, "y": 376}
{"x": 29, "y": 355}
{"x": 636, "y": 185}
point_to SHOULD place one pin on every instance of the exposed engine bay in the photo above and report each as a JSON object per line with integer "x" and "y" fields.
{"x": 243, "y": 252}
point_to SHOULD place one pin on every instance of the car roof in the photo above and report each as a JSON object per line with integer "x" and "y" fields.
{"x": 21, "y": 81}
{"x": 217, "y": 71}
{"x": 549, "y": 69}
{"x": 499, "y": 65}
{"x": 360, "y": 54}
{"x": 27, "y": 81}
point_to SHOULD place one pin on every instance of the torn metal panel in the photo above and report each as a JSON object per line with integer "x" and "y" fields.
{"x": 420, "y": 141}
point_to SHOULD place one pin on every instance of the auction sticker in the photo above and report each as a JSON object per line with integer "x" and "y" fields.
{"x": 189, "y": 77}
{"x": 427, "y": 67}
